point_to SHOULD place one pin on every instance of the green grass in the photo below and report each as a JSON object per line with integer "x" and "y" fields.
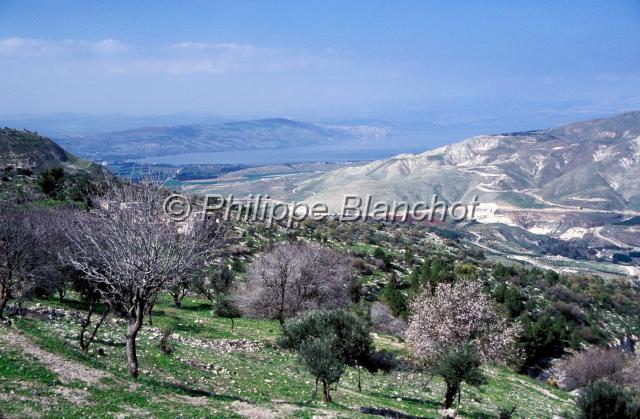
{"x": 270, "y": 379}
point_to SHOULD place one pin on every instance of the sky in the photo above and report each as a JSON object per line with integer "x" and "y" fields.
{"x": 346, "y": 59}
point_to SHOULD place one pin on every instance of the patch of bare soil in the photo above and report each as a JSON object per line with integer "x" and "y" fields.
{"x": 73, "y": 395}
{"x": 66, "y": 369}
{"x": 252, "y": 411}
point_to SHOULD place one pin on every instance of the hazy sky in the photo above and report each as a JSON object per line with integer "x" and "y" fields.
{"x": 297, "y": 57}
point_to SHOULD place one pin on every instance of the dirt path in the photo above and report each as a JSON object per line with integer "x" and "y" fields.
{"x": 67, "y": 370}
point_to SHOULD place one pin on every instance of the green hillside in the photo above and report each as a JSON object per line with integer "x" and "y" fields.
{"x": 41, "y": 370}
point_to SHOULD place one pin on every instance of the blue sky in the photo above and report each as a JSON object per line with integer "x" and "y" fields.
{"x": 304, "y": 58}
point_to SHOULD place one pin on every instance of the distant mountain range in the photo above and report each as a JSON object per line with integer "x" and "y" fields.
{"x": 70, "y": 123}
{"x": 592, "y": 164}
{"x": 28, "y": 150}
{"x": 578, "y": 181}
{"x": 239, "y": 135}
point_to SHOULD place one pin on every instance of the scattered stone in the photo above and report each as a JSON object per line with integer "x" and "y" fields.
{"x": 447, "y": 413}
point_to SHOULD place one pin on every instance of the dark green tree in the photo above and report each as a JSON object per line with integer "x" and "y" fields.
{"x": 460, "y": 365}
{"x": 353, "y": 341}
{"x": 224, "y": 306}
{"x": 50, "y": 181}
{"x": 323, "y": 359}
{"x": 603, "y": 400}
{"x": 394, "y": 298}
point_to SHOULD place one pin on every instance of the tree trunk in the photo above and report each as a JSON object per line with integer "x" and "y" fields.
{"x": 3, "y": 300}
{"x": 177, "y": 301}
{"x": 450, "y": 395}
{"x": 83, "y": 329}
{"x": 84, "y": 344}
{"x": 95, "y": 329}
{"x": 314, "y": 394}
{"x": 136, "y": 315}
{"x": 232, "y": 324}
{"x": 149, "y": 313}
{"x": 359, "y": 382}
{"x": 326, "y": 396}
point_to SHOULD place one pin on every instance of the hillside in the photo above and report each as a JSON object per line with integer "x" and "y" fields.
{"x": 592, "y": 164}
{"x": 567, "y": 182}
{"x": 216, "y": 372}
{"x": 28, "y": 150}
{"x": 240, "y": 135}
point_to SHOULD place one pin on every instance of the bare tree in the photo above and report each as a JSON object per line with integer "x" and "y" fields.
{"x": 21, "y": 257}
{"x": 293, "y": 278}
{"x": 178, "y": 289}
{"x": 130, "y": 250}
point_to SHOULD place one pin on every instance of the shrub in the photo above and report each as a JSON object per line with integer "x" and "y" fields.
{"x": 585, "y": 368}
{"x": 504, "y": 413}
{"x": 165, "y": 337}
{"x": 383, "y": 320}
{"x": 604, "y": 400}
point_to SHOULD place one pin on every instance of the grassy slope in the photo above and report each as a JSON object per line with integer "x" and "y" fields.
{"x": 267, "y": 382}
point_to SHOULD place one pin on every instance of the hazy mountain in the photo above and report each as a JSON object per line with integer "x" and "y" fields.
{"x": 592, "y": 164}
{"x": 239, "y": 135}
{"x": 28, "y": 150}
{"x": 69, "y": 123}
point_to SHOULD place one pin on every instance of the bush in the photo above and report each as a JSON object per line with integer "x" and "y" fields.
{"x": 603, "y": 400}
{"x": 504, "y": 413}
{"x": 383, "y": 320}
{"x": 585, "y": 368}
{"x": 164, "y": 346}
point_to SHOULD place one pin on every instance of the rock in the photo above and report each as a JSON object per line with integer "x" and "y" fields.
{"x": 447, "y": 413}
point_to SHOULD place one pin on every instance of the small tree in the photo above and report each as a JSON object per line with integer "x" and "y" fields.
{"x": 460, "y": 365}
{"x": 225, "y": 306}
{"x": 293, "y": 278}
{"x": 603, "y": 400}
{"x": 22, "y": 260}
{"x": 178, "y": 289}
{"x": 350, "y": 334}
{"x": 92, "y": 297}
{"x": 212, "y": 282}
{"x": 394, "y": 297}
{"x": 456, "y": 314}
{"x": 322, "y": 358}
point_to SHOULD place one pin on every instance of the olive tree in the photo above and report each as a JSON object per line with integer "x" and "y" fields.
{"x": 335, "y": 338}
{"x": 130, "y": 250}
{"x": 461, "y": 364}
{"x": 292, "y": 278}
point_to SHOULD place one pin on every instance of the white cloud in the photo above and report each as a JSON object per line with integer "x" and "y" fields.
{"x": 35, "y": 48}
{"x": 168, "y": 66}
{"x": 202, "y": 46}
{"x": 188, "y": 57}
